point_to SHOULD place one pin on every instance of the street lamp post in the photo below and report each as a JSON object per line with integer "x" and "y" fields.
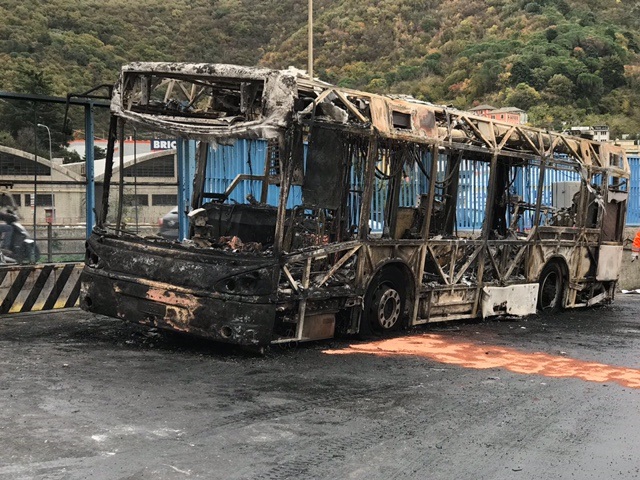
{"x": 50, "y": 219}
{"x": 50, "y": 160}
{"x": 49, "y": 132}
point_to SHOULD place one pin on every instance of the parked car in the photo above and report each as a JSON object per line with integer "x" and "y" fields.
{"x": 169, "y": 225}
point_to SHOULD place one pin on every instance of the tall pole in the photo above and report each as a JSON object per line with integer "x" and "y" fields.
{"x": 182, "y": 158}
{"x": 49, "y": 219}
{"x": 35, "y": 171}
{"x": 51, "y": 161}
{"x": 135, "y": 174}
{"x": 310, "y": 43}
{"x": 89, "y": 168}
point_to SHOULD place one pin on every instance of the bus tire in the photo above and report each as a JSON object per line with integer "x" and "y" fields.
{"x": 551, "y": 290}
{"x": 384, "y": 304}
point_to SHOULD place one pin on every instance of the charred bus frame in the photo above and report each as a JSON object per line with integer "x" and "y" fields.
{"x": 256, "y": 274}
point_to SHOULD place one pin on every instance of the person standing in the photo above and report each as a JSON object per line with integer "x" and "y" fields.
{"x": 635, "y": 248}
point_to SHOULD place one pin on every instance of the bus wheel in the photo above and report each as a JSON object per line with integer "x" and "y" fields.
{"x": 384, "y": 305}
{"x": 551, "y": 288}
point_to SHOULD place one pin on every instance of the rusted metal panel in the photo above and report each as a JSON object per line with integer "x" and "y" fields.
{"x": 319, "y": 327}
{"x": 326, "y": 179}
{"x": 609, "y": 262}
{"x": 519, "y": 300}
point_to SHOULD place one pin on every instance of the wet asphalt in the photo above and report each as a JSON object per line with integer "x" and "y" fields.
{"x": 557, "y": 397}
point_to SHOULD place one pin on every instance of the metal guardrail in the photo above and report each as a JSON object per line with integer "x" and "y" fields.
{"x": 63, "y": 244}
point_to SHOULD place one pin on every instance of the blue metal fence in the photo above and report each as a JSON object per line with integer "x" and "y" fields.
{"x": 248, "y": 157}
{"x": 526, "y": 185}
{"x": 472, "y": 194}
{"x": 226, "y": 162}
{"x": 633, "y": 207}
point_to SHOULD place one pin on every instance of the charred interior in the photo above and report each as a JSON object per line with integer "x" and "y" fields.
{"x": 354, "y": 212}
{"x": 220, "y": 101}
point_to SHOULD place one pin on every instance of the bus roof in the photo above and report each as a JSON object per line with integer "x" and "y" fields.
{"x": 220, "y": 103}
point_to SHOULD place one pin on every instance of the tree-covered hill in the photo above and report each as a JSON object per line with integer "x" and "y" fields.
{"x": 566, "y": 61}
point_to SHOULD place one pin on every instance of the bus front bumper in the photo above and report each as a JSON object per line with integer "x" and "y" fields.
{"x": 247, "y": 322}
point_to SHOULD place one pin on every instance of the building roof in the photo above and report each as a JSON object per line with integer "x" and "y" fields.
{"x": 508, "y": 110}
{"x": 60, "y": 169}
{"x": 141, "y": 146}
{"x": 482, "y": 107}
{"x": 582, "y": 128}
{"x": 130, "y": 160}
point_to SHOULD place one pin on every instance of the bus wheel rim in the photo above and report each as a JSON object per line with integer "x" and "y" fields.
{"x": 389, "y": 308}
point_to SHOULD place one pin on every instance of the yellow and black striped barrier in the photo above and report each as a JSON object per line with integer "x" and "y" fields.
{"x": 30, "y": 288}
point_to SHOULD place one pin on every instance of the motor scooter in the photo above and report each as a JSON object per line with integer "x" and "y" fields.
{"x": 23, "y": 248}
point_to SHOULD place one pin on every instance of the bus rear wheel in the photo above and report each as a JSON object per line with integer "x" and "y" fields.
{"x": 384, "y": 305}
{"x": 551, "y": 289}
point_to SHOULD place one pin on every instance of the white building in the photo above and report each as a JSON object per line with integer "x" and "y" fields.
{"x": 599, "y": 133}
{"x": 150, "y": 190}
{"x": 56, "y": 187}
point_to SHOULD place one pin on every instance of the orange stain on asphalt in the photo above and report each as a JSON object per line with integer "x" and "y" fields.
{"x": 470, "y": 355}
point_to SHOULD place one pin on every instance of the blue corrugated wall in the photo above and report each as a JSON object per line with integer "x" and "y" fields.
{"x": 633, "y": 211}
{"x": 226, "y": 162}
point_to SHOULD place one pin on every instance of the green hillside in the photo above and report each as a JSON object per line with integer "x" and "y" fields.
{"x": 571, "y": 61}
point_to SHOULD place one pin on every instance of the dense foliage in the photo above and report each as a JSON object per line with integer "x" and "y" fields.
{"x": 566, "y": 61}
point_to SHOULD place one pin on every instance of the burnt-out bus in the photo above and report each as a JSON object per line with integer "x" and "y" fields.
{"x": 368, "y": 213}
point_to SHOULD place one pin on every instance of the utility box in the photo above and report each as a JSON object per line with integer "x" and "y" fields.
{"x": 50, "y": 215}
{"x": 563, "y": 193}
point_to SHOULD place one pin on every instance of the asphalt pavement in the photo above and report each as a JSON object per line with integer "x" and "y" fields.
{"x": 558, "y": 397}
